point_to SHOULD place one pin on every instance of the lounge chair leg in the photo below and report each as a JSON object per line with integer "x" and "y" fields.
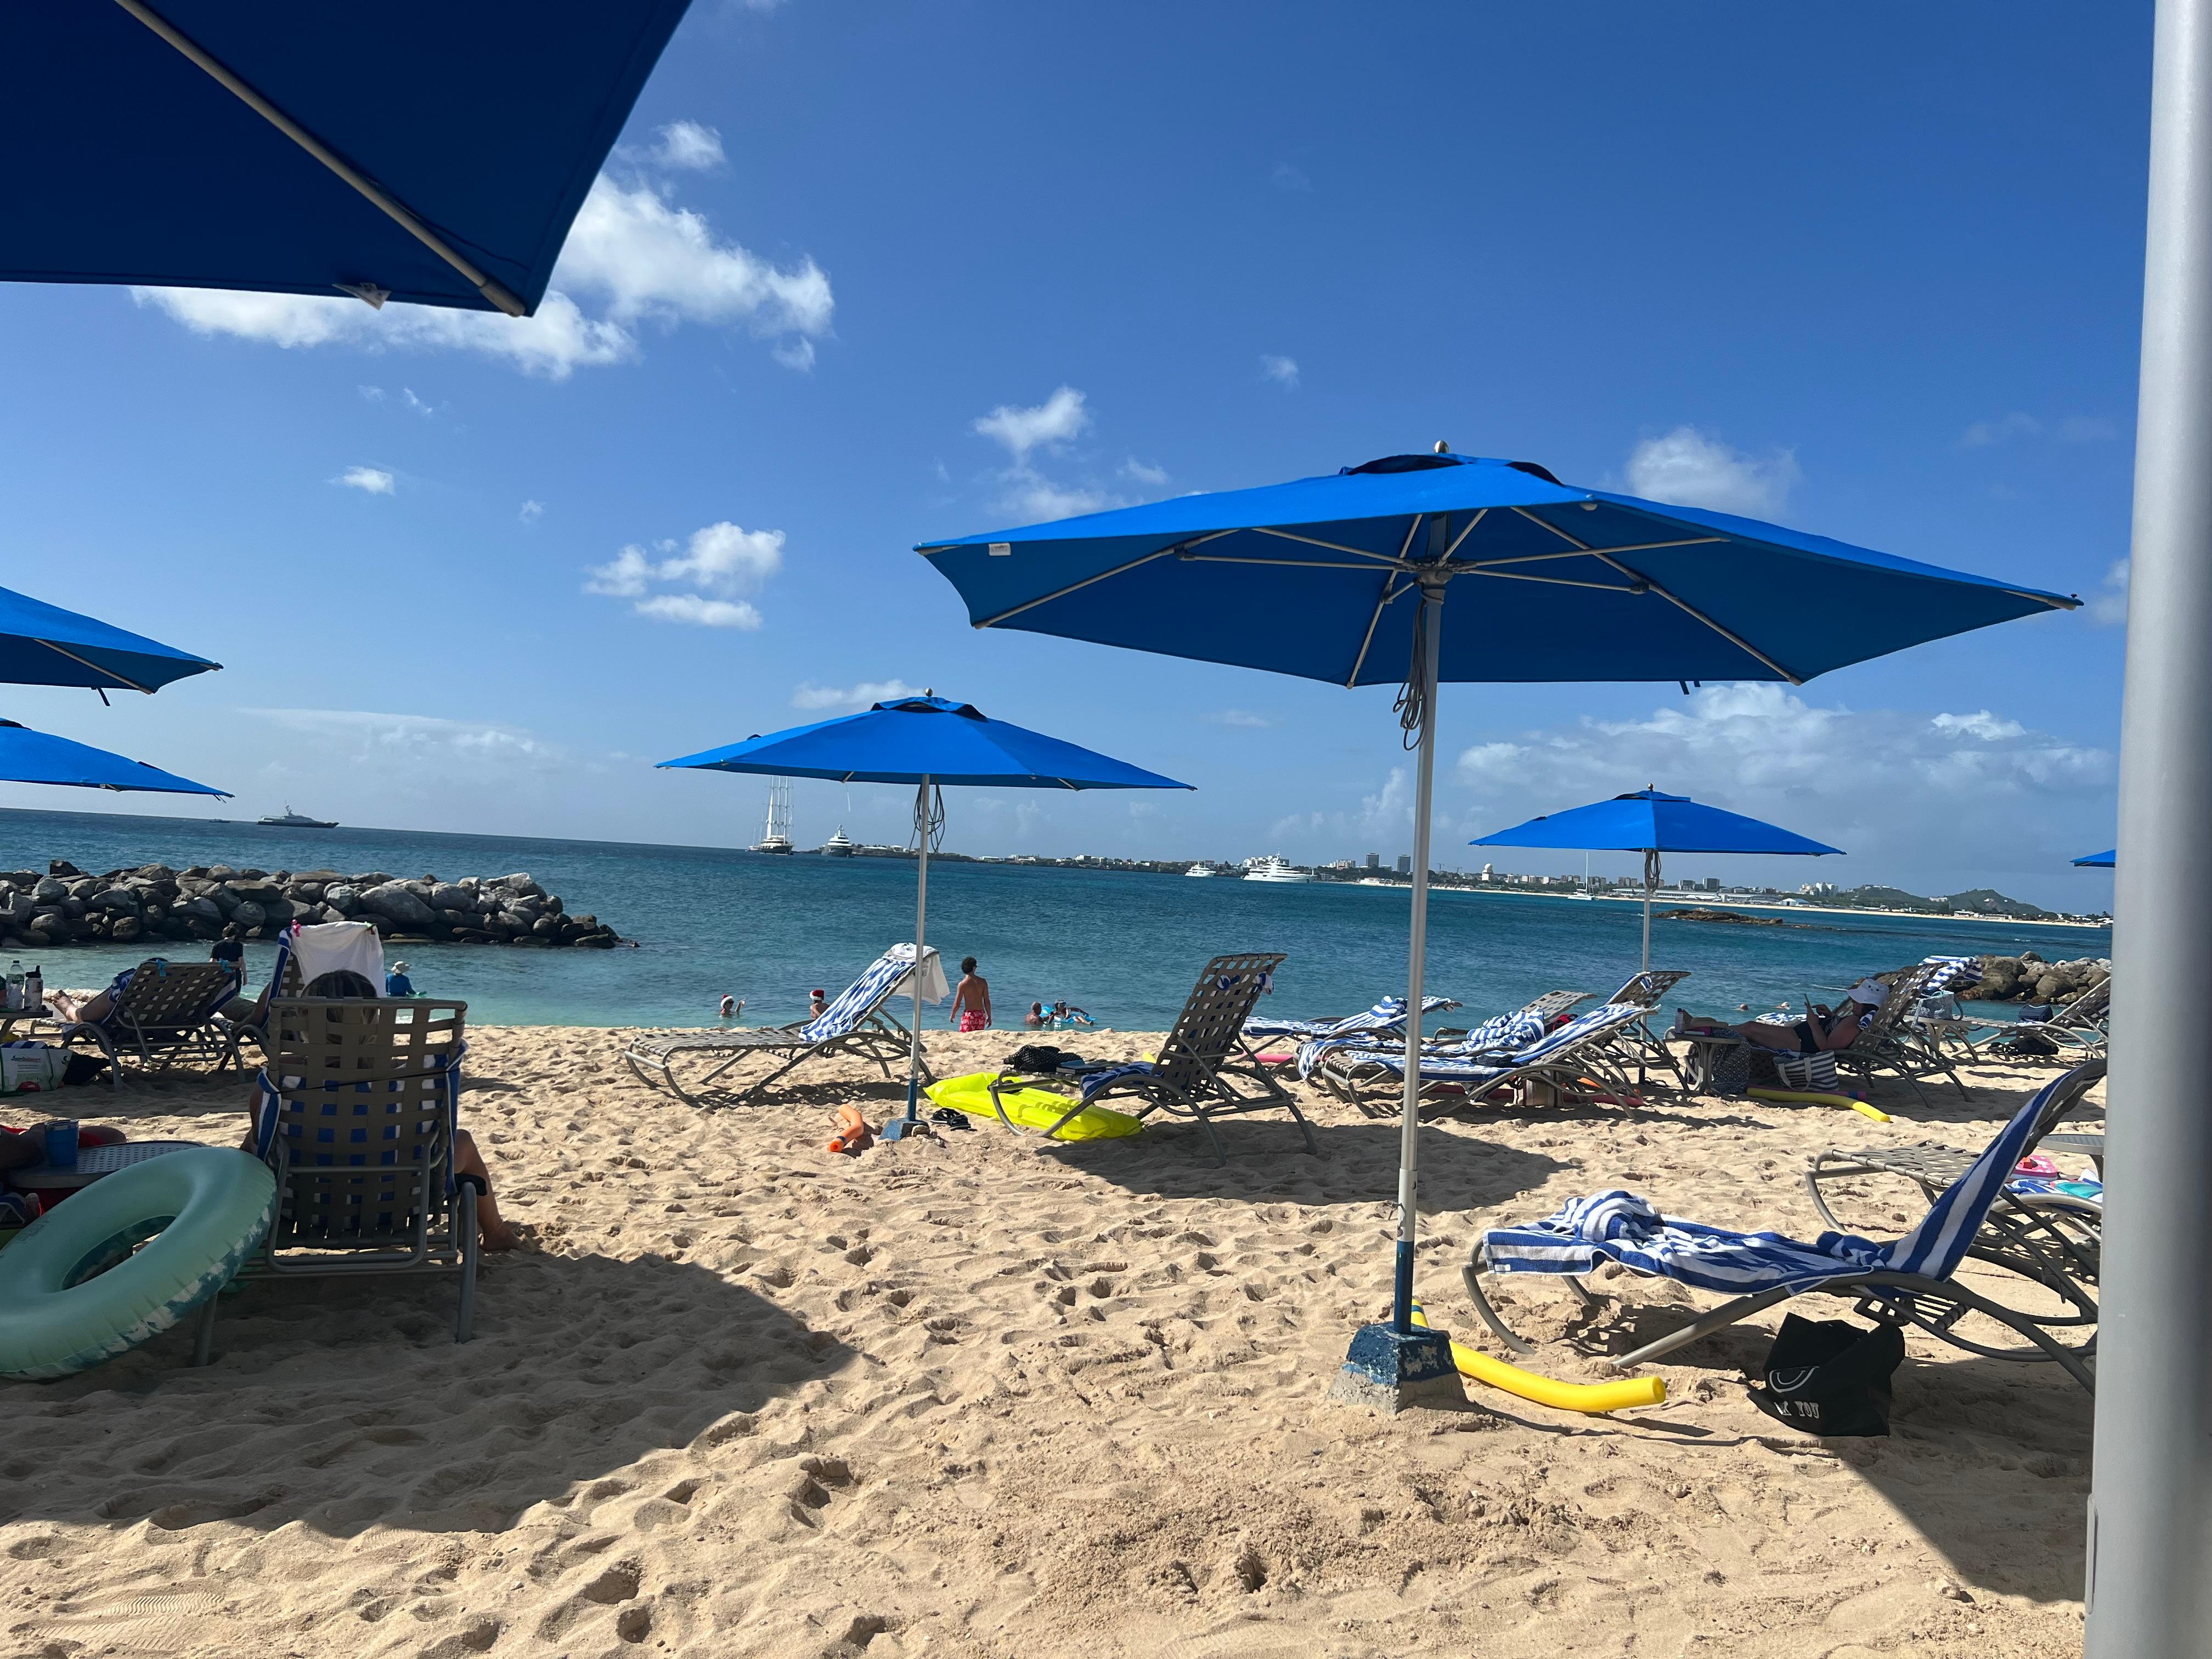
{"x": 203, "y": 1333}
{"x": 1720, "y": 1318}
{"x": 1471, "y": 1276}
{"x": 465, "y": 1223}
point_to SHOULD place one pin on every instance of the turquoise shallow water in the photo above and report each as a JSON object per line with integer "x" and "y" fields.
{"x": 1124, "y": 947}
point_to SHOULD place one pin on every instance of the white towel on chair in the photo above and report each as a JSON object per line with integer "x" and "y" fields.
{"x": 330, "y": 946}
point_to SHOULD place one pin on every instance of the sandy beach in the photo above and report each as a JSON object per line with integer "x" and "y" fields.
{"x": 982, "y": 1396}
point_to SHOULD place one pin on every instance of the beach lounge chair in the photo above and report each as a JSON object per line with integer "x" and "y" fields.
{"x": 1388, "y": 1015}
{"x": 857, "y": 1022}
{"x": 1888, "y": 1041}
{"x": 1567, "y": 1060}
{"x": 1908, "y": 1280}
{"x": 305, "y": 953}
{"x": 1204, "y": 1070}
{"x": 2047, "y": 1229}
{"x": 358, "y": 1109}
{"x": 1637, "y": 1040}
{"x": 2076, "y": 1027}
{"x": 164, "y": 1017}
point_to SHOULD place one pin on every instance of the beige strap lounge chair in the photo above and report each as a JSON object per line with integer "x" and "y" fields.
{"x": 163, "y": 1018}
{"x": 1205, "y": 1069}
{"x": 358, "y": 1109}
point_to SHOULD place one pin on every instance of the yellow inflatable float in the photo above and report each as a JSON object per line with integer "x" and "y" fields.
{"x": 1032, "y": 1109}
{"x": 1800, "y": 1097}
{"x": 1591, "y": 1398}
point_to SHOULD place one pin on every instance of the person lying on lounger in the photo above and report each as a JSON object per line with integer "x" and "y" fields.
{"x": 498, "y": 1233}
{"x": 1824, "y": 1032}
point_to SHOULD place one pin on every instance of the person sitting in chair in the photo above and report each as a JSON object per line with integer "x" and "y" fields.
{"x": 1823, "y": 1032}
{"x": 496, "y": 1232}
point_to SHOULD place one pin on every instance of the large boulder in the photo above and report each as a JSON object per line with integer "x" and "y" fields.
{"x": 522, "y": 884}
{"x": 124, "y": 929}
{"x": 248, "y": 914}
{"x": 116, "y": 898}
{"x": 343, "y": 898}
{"x": 202, "y": 910}
{"x": 450, "y": 896}
{"x": 49, "y": 889}
{"x": 546, "y": 928}
{"x": 17, "y": 909}
{"x": 397, "y": 901}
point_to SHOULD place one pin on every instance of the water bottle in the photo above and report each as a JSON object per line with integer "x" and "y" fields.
{"x": 34, "y": 991}
{"x": 16, "y": 1002}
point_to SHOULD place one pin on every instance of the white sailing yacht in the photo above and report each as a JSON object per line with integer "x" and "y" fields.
{"x": 776, "y": 837}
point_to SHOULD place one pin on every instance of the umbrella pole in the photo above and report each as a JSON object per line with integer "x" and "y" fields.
{"x": 922, "y": 818}
{"x": 1651, "y": 880}
{"x": 1391, "y": 1367}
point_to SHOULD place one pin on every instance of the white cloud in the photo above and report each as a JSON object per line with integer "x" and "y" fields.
{"x": 2110, "y": 606}
{"x": 1283, "y": 371}
{"x": 810, "y": 696}
{"x": 532, "y": 512}
{"x": 690, "y": 145}
{"x": 1032, "y": 498}
{"x": 694, "y": 608}
{"x": 1875, "y": 781}
{"x": 1145, "y": 473}
{"x": 1981, "y": 724}
{"x": 1290, "y": 179}
{"x": 646, "y": 260}
{"x": 723, "y": 558}
{"x": 372, "y": 394}
{"x": 366, "y": 734}
{"x": 1238, "y": 717}
{"x": 2005, "y": 428}
{"x": 1055, "y": 420}
{"x": 371, "y": 480}
{"x": 1687, "y": 469}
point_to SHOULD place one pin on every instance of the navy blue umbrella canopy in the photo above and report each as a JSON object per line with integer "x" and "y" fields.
{"x": 2104, "y": 860}
{"x": 1652, "y": 821}
{"x": 1321, "y": 578}
{"x": 928, "y": 741}
{"x": 42, "y": 644}
{"x": 28, "y": 756}
{"x": 926, "y": 738}
{"x": 426, "y": 152}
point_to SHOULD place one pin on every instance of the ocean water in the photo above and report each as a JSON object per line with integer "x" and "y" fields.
{"x": 1126, "y": 947}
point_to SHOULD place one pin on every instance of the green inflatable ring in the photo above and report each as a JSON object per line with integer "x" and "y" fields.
{"x": 197, "y": 1213}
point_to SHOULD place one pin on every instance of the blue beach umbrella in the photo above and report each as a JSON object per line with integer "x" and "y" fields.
{"x": 28, "y": 756}
{"x": 42, "y": 644}
{"x": 1651, "y": 823}
{"x": 928, "y": 741}
{"x": 419, "y": 151}
{"x": 1344, "y": 578}
{"x": 2104, "y": 860}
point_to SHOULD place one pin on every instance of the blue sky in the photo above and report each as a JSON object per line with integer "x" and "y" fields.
{"x": 860, "y": 277}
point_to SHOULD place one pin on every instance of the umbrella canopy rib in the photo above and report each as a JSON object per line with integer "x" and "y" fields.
{"x": 496, "y": 292}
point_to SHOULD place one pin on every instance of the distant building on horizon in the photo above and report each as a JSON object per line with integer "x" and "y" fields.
{"x": 1404, "y": 864}
{"x": 1374, "y": 861}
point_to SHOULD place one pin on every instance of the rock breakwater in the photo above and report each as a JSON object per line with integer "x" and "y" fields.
{"x": 152, "y": 902}
{"x": 2029, "y": 978}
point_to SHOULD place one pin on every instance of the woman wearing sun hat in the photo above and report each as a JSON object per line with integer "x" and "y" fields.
{"x": 1824, "y": 1032}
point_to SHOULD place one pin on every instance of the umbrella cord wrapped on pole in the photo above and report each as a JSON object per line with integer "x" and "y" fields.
{"x": 1412, "y": 701}
{"x": 932, "y": 824}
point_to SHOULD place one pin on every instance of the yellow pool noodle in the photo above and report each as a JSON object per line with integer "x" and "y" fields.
{"x": 1796, "y": 1097}
{"x": 1590, "y": 1397}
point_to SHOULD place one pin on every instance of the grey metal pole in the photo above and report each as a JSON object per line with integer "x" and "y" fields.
{"x": 1409, "y": 1120}
{"x": 2150, "y": 1506}
{"x": 1651, "y": 880}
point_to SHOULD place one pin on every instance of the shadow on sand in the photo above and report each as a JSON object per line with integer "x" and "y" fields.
{"x": 342, "y": 1404}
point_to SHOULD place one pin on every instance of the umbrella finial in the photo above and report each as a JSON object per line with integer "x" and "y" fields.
{"x": 1442, "y": 448}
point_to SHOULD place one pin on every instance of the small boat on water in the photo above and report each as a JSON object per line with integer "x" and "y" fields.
{"x": 839, "y": 846}
{"x": 777, "y": 838}
{"x": 1199, "y": 870}
{"x": 1275, "y": 869}
{"x": 292, "y": 820}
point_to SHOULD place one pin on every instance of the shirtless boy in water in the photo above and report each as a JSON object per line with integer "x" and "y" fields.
{"x": 971, "y": 998}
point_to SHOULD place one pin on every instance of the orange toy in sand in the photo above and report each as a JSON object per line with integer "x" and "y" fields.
{"x": 854, "y": 1136}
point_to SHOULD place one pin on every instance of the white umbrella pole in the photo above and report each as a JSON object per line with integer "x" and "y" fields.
{"x": 922, "y": 815}
{"x": 2150, "y": 1502}
{"x": 1409, "y": 1122}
